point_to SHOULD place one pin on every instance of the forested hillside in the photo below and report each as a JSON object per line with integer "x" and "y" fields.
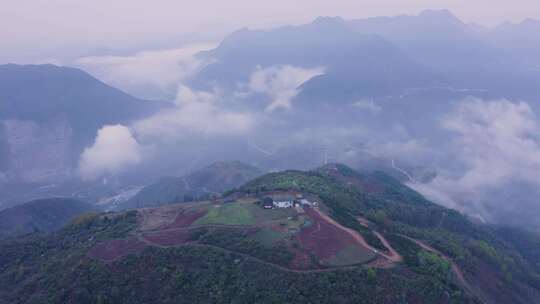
{"x": 223, "y": 252}
{"x": 44, "y": 215}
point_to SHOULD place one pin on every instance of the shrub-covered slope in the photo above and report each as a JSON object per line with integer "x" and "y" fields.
{"x": 497, "y": 270}
{"x": 43, "y": 215}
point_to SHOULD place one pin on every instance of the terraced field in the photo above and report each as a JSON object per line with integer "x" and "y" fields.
{"x": 311, "y": 238}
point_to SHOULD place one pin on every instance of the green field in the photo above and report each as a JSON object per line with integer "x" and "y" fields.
{"x": 269, "y": 237}
{"x": 227, "y": 214}
{"x": 267, "y": 215}
{"x": 350, "y": 255}
{"x": 245, "y": 212}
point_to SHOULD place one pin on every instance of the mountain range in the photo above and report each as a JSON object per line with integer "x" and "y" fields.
{"x": 378, "y": 57}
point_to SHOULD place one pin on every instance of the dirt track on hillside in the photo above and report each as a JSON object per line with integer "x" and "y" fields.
{"x": 455, "y": 268}
{"x": 392, "y": 257}
{"x": 393, "y": 254}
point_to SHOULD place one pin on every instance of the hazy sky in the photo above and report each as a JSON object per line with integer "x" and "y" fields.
{"x": 42, "y": 29}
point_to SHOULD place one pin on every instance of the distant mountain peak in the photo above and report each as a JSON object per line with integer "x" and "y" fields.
{"x": 440, "y": 15}
{"x": 531, "y": 20}
{"x": 437, "y": 12}
{"x": 328, "y": 20}
{"x": 328, "y": 23}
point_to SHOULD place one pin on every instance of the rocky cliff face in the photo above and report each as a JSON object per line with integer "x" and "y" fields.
{"x": 37, "y": 152}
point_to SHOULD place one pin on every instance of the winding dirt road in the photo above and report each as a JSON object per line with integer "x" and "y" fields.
{"x": 393, "y": 255}
{"x": 455, "y": 268}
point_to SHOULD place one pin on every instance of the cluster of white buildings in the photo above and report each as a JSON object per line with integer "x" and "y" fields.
{"x": 283, "y": 204}
{"x": 270, "y": 203}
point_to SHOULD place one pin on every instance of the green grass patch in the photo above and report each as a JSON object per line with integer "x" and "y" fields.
{"x": 269, "y": 237}
{"x": 227, "y": 214}
{"x": 350, "y": 255}
{"x": 268, "y": 215}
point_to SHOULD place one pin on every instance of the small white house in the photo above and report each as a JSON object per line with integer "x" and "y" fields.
{"x": 283, "y": 204}
{"x": 305, "y": 202}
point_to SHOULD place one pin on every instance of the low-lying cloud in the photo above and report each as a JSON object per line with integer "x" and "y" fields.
{"x": 149, "y": 74}
{"x": 281, "y": 83}
{"x": 114, "y": 150}
{"x": 195, "y": 114}
{"x": 497, "y": 147}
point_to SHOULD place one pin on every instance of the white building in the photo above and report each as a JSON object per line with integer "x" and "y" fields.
{"x": 283, "y": 204}
{"x": 305, "y": 202}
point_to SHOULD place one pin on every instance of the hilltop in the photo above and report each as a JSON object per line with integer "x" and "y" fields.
{"x": 366, "y": 236}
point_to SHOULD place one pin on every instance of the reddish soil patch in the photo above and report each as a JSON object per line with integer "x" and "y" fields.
{"x": 381, "y": 262}
{"x": 168, "y": 237}
{"x": 323, "y": 238}
{"x": 186, "y": 218}
{"x": 114, "y": 249}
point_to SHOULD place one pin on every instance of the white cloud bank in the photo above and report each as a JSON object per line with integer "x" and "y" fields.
{"x": 114, "y": 150}
{"x": 195, "y": 114}
{"x": 281, "y": 83}
{"x": 148, "y": 74}
{"x": 498, "y": 144}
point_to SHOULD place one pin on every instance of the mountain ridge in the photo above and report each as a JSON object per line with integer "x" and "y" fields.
{"x": 43, "y": 215}
{"x": 208, "y": 181}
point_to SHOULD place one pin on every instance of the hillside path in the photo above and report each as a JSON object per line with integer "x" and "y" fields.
{"x": 247, "y": 256}
{"x": 455, "y": 268}
{"x": 393, "y": 257}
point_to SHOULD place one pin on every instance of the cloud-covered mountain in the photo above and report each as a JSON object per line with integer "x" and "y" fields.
{"x": 381, "y": 57}
{"x": 355, "y": 65}
{"x": 48, "y": 114}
